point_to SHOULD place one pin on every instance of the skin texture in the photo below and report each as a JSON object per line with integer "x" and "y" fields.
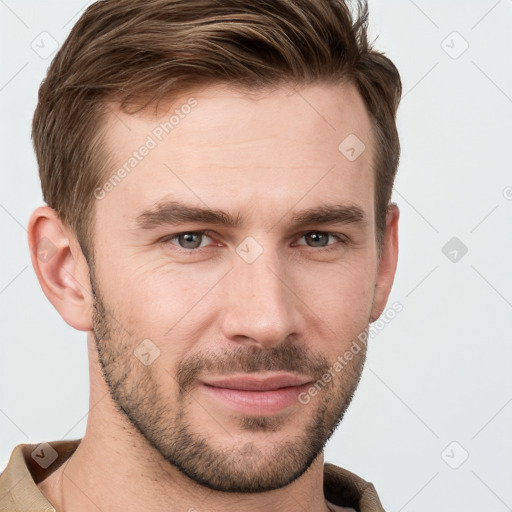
{"x": 155, "y": 439}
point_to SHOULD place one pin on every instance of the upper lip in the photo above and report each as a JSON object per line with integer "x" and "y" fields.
{"x": 257, "y": 382}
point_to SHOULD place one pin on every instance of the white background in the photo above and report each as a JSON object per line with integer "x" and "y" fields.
{"x": 440, "y": 371}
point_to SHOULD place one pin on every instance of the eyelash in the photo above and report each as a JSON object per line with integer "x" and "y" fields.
{"x": 341, "y": 238}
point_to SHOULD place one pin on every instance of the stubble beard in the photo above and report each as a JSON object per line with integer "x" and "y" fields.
{"x": 247, "y": 467}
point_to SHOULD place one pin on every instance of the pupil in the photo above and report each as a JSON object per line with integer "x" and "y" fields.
{"x": 317, "y": 239}
{"x": 190, "y": 243}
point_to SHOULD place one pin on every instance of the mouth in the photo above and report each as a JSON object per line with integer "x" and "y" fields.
{"x": 256, "y": 394}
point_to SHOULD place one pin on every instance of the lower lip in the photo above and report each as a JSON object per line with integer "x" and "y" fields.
{"x": 257, "y": 403}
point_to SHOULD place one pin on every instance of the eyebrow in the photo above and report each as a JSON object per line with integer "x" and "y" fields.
{"x": 175, "y": 213}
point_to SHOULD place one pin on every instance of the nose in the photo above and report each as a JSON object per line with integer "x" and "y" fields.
{"x": 260, "y": 306}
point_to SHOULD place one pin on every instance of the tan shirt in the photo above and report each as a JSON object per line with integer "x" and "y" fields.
{"x": 19, "y": 491}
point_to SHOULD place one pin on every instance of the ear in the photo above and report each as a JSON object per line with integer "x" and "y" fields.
{"x": 387, "y": 263}
{"x": 61, "y": 267}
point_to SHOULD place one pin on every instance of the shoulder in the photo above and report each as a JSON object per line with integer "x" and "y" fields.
{"x": 28, "y": 465}
{"x": 344, "y": 488}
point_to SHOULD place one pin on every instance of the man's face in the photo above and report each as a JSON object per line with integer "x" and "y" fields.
{"x": 271, "y": 295}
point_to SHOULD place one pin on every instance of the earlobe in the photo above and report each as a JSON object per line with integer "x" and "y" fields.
{"x": 387, "y": 264}
{"x": 60, "y": 267}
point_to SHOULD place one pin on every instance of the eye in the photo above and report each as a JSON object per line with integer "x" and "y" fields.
{"x": 321, "y": 239}
{"x": 187, "y": 240}
{"x": 193, "y": 240}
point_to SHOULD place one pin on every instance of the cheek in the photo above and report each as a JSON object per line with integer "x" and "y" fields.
{"x": 338, "y": 294}
{"x": 163, "y": 301}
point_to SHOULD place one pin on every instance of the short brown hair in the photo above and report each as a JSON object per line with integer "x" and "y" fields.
{"x": 124, "y": 50}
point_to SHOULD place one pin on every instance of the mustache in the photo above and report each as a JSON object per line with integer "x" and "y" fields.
{"x": 285, "y": 357}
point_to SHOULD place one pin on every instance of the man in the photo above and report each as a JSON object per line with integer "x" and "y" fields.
{"x": 218, "y": 179}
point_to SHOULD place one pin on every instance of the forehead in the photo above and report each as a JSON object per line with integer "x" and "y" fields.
{"x": 222, "y": 146}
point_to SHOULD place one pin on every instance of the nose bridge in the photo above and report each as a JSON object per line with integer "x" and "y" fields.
{"x": 261, "y": 306}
